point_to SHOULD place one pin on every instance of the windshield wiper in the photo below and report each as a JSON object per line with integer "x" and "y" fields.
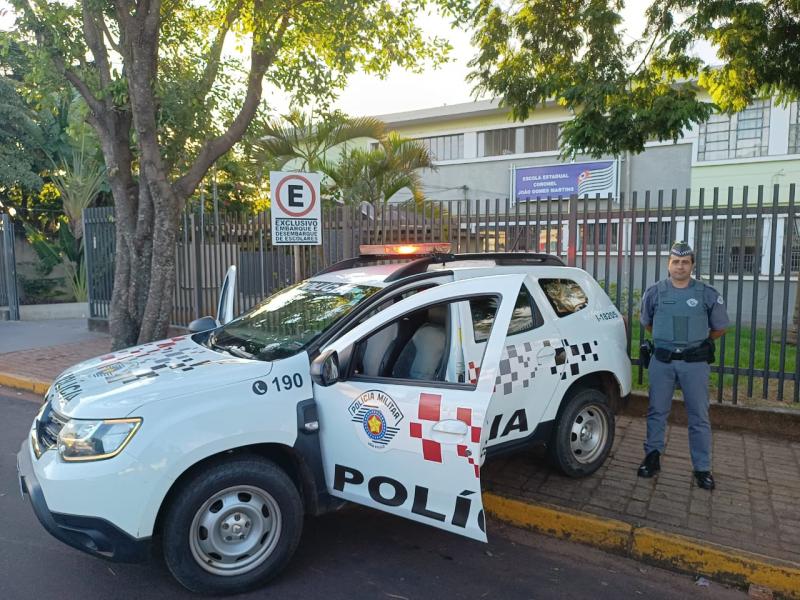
{"x": 230, "y": 349}
{"x": 236, "y": 351}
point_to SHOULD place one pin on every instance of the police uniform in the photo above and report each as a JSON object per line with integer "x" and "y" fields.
{"x": 681, "y": 319}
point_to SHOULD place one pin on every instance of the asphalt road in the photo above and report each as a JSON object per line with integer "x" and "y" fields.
{"x": 354, "y": 553}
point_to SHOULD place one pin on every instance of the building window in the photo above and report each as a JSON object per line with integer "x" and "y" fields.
{"x": 590, "y": 230}
{"x": 794, "y": 258}
{"x": 497, "y": 142}
{"x": 444, "y": 147}
{"x": 740, "y": 135}
{"x": 740, "y": 251}
{"x": 541, "y": 138}
{"x": 659, "y": 235}
{"x": 794, "y": 128}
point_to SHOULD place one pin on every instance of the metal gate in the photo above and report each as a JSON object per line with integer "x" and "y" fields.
{"x": 9, "y": 299}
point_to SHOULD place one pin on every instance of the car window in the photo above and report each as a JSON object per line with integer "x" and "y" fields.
{"x": 565, "y": 295}
{"x": 417, "y": 346}
{"x": 524, "y": 318}
{"x": 287, "y": 321}
{"x": 392, "y": 300}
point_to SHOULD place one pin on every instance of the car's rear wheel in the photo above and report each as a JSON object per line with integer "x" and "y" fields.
{"x": 584, "y": 433}
{"x": 232, "y": 527}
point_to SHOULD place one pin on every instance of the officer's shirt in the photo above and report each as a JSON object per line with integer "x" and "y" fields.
{"x": 715, "y": 305}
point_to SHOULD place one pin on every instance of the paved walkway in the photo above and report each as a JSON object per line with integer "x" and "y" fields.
{"x": 26, "y": 335}
{"x": 755, "y": 507}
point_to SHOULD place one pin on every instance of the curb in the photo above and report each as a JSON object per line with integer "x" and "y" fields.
{"x": 678, "y": 553}
{"x": 23, "y": 383}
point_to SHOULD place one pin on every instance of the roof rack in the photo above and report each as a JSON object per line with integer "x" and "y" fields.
{"x": 359, "y": 261}
{"x": 420, "y": 265}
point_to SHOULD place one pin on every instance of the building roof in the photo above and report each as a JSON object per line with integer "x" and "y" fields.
{"x": 448, "y": 112}
{"x": 444, "y": 113}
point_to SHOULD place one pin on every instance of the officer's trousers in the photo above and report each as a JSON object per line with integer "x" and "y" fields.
{"x": 693, "y": 379}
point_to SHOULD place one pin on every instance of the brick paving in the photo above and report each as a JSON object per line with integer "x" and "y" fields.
{"x": 754, "y": 507}
{"x": 45, "y": 364}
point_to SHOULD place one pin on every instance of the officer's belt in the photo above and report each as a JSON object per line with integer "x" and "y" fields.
{"x": 695, "y": 354}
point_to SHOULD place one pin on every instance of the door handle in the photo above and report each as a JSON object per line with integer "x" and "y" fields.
{"x": 452, "y": 427}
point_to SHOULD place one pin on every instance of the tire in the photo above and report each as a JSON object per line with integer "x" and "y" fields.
{"x": 584, "y": 434}
{"x": 246, "y": 497}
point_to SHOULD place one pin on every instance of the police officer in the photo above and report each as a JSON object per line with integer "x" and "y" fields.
{"x": 684, "y": 316}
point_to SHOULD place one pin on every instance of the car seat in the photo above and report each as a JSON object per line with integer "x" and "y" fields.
{"x": 423, "y": 356}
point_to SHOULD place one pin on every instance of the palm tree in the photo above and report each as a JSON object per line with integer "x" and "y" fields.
{"x": 78, "y": 185}
{"x": 375, "y": 175}
{"x": 310, "y": 140}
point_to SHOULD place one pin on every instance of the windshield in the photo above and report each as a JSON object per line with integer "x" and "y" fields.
{"x": 287, "y": 321}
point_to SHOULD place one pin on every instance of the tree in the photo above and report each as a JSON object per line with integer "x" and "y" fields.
{"x": 20, "y": 141}
{"x": 167, "y": 103}
{"x": 309, "y": 139}
{"x": 375, "y": 175}
{"x": 623, "y": 94}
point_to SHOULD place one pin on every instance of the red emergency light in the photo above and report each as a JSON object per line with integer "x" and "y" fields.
{"x": 413, "y": 249}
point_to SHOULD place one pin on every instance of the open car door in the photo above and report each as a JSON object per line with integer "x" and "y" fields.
{"x": 395, "y": 434}
{"x": 227, "y": 293}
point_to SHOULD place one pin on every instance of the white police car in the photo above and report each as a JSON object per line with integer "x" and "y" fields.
{"x": 382, "y": 383}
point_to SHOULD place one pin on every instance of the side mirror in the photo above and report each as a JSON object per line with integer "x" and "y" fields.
{"x": 325, "y": 369}
{"x": 203, "y": 324}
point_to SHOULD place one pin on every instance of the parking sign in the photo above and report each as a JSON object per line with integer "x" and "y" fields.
{"x": 296, "y": 213}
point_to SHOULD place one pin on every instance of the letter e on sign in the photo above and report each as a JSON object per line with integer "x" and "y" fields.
{"x": 296, "y": 213}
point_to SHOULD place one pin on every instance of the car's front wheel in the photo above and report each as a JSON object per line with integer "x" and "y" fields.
{"x": 232, "y": 527}
{"x": 584, "y": 433}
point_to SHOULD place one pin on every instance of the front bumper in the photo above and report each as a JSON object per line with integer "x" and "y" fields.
{"x": 89, "y": 534}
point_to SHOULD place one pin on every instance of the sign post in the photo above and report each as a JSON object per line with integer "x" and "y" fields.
{"x": 296, "y": 212}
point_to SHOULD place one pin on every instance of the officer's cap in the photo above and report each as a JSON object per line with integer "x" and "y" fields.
{"x": 681, "y": 249}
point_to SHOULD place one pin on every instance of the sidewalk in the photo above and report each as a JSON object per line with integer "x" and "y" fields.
{"x": 754, "y": 506}
{"x": 666, "y": 520}
{"x": 34, "y": 353}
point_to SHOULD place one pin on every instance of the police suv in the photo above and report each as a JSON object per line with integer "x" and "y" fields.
{"x": 381, "y": 382}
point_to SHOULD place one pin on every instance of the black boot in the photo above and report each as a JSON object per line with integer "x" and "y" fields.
{"x": 704, "y": 479}
{"x": 650, "y": 465}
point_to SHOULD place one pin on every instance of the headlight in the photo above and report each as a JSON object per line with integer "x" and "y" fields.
{"x": 95, "y": 440}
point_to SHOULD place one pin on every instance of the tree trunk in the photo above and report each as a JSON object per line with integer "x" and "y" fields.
{"x": 158, "y": 309}
{"x": 132, "y": 263}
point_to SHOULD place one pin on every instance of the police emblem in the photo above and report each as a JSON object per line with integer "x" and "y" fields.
{"x": 692, "y": 302}
{"x": 376, "y": 417}
{"x": 114, "y": 371}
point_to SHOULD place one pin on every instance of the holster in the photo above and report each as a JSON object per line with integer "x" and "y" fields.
{"x": 645, "y": 352}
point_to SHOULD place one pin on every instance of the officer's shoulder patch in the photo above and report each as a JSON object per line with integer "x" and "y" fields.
{"x": 720, "y": 300}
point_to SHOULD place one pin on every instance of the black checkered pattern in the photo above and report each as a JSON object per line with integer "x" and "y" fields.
{"x": 151, "y": 360}
{"x": 577, "y": 354}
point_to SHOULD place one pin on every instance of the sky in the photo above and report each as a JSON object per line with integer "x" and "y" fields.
{"x": 401, "y": 90}
{"x": 447, "y": 85}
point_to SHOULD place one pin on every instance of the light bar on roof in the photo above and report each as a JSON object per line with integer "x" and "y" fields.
{"x": 414, "y": 249}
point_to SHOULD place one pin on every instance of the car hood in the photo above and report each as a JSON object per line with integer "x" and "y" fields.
{"x": 113, "y": 385}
